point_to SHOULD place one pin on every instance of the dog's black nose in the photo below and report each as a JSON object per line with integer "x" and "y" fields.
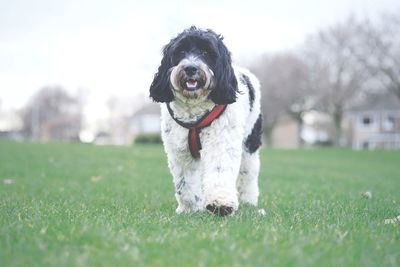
{"x": 190, "y": 70}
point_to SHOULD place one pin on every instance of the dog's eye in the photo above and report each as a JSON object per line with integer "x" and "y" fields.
{"x": 204, "y": 53}
{"x": 182, "y": 52}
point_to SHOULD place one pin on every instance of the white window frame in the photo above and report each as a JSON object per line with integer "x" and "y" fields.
{"x": 386, "y": 125}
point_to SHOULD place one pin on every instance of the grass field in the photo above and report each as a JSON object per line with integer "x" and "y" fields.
{"x": 81, "y": 205}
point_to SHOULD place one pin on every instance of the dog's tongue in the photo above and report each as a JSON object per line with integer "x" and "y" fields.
{"x": 191, "y": 84}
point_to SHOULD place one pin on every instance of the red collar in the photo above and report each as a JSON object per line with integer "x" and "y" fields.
{"x": 194, "y": 128}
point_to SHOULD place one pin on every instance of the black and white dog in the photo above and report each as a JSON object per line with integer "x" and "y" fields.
{"x": 211, "y": 123}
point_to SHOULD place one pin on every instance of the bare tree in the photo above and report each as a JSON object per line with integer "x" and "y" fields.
{"x": 271, "y": 106}
{"x": 286, "y": 89}
{"x": 377, "y": 47}
{"x": 52, "y": 114}
{"x": 334, "y": 72}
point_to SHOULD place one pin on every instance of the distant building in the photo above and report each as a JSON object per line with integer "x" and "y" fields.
{"x": 146, "y": 120}
{"x": 123, "y": 130}
{"x": 317, "y": 129}
{"x": 285, "y": 134}
{"x": 375, "y": 124}
{"x": 10, "y": 125}
{"x": 10, "y": 121}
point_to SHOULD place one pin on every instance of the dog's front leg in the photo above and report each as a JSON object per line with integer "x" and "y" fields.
{"x": 188, "y": 190}
{"x": 221, "y": 165}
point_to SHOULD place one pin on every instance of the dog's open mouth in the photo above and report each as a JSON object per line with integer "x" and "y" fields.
{"x": 191, "y": 84}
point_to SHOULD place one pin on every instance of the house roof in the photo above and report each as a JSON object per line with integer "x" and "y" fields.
{"x": 378, "y": 102}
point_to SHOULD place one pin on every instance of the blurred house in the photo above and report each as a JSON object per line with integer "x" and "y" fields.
{"x": 317, "y": 129}
{"x": 115, "y": 130}
{"x": 146, "y": 120}
{"x": 285, "y": 134}
{"x": 10, "y": 125}
{"x": 122, "y": 129}
{"x": 375, "y": 123}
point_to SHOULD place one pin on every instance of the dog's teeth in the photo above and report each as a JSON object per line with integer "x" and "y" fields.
{"x": 191, "y": 84}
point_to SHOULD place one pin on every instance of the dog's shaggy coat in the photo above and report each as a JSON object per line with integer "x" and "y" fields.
{"x": 196, "y": 74}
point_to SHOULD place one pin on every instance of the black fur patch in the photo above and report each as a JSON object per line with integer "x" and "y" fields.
{"x": 219, "y": 210}
{"x": 180, "y": 184}
{"x": 201, "y": 43}
{"x": 246, "y": 81}
{"x": 253, "y": 141}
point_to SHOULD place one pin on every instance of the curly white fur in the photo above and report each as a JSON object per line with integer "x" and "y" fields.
{"x": 226, "y": 172}
{"x": 196, "y": 73}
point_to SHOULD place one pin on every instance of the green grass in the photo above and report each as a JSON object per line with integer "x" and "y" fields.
{"x": 81, "y": 205}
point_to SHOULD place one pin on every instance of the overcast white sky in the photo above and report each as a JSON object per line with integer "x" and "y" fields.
{"x": 113, "y": 47}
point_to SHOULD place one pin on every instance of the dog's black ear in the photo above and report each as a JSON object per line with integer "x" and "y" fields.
{"x": 160, "y": 89}
{"x": 225, "y": 85}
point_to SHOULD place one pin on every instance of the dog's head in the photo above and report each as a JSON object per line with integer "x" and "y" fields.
{"x": 195, "y": 65}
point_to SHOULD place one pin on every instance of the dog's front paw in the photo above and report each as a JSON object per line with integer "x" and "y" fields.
{"x": 222, "y": 206}
{"x": 221, "y": 202}
{"x": 219, "y": 210}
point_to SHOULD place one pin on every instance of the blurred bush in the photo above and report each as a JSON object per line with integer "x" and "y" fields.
{"x": 148, "y": 139}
